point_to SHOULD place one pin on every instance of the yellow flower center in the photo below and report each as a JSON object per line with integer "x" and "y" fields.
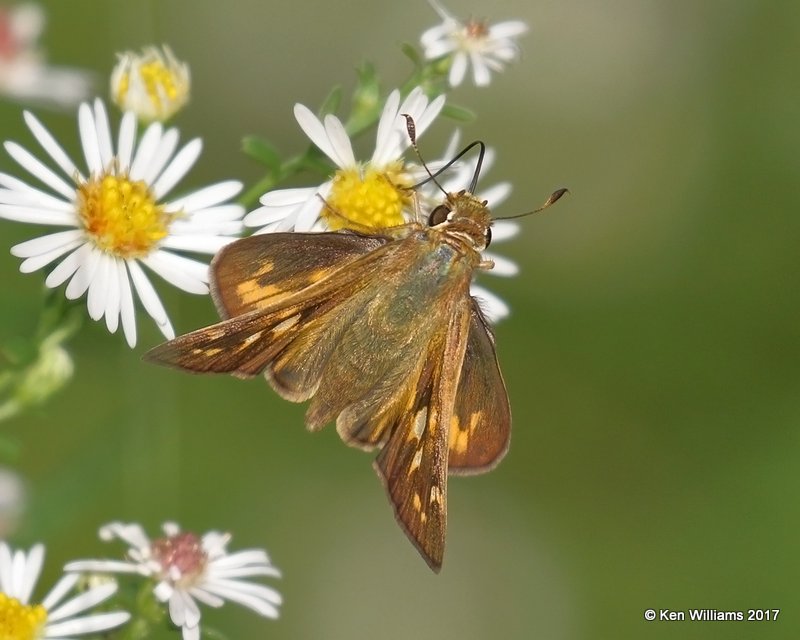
{"x": 121, "y": 216}
{"x": 153, "y": 85}
{"x": 20, "y": 621}
{"x": 367, "y": 198}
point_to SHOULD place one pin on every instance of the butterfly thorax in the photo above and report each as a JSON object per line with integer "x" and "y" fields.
{"x": 463, "y": 222}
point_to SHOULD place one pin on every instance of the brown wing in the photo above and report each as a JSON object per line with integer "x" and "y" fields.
{"x": 480, "y": 428}
{"x": 413, "y": 463}
{"x": 260, "y": 271}
{"x": 290, "y": 336}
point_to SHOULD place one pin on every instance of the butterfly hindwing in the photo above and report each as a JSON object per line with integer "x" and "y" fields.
{"x": 480, "y": 428}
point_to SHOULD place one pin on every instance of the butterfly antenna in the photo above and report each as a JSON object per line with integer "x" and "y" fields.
{"x": 411, "y": 127}
{"x": 554, "y": 197}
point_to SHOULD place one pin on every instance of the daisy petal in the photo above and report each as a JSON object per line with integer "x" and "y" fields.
{"x": 166, "y": 147}
{"x": 125, "y": 142}
{"x": 144, "y": 152}
{"x": 89, "y": 140}
{"x": 178, "y": 168}
{"x": 82, "y": 602}
{"x": 49, "y": 144}
{"x": 186, "y": 274}
{"x": 150, "y": 300}
{"x": 315, "y": 131}
{"x": 86, "y": 624}
{"x": 67, "y": 267}
{"x": 103, "y": 134}
{"x": 126, "y": 311}
{"x": 37, "y": 169}
{"x": 34, "y": 263}
{"x": 207, "y": 197}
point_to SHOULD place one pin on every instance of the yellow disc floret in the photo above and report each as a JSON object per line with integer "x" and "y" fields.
{"x": 20, "y": 621}
{"x": 367, "y": 198}
{"x": 121, "y": 216}
{"x": 154, "y": 84}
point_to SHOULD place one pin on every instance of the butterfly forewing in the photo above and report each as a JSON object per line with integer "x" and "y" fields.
{"x": 262, "y": 270}
{"x": 480, "y": 428}
{"x": 413, "y": 463}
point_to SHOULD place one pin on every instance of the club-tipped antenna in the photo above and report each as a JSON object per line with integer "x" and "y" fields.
{"x": 411, "y": 127}
{"x": 450, "y": 163}
{"x": 554, "y": 197}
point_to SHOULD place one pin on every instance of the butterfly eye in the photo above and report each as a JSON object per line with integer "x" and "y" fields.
{"x": 438, "y": 215}
{"x": 488, "y": 237}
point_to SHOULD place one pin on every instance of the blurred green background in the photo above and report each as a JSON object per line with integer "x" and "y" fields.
{"x": 651, "y": 358}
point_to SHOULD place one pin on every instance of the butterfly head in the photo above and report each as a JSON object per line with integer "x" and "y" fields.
{"x": 464, "y": 216}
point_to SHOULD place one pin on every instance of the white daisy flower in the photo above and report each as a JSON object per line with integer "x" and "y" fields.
{"x": 487, "y": 48}
{"x": 459, "y": 177}
{"x": 153, "y": 84}
{"x": 119, "y": 217}
{"x": 373, "y": 194}
{"x": 53, "y": 618}
{"x": 24, "y": 74}
{"x": 189, "y": 569}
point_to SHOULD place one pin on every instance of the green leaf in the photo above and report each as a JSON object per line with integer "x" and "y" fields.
{"x": 262, "y": 151}
{"x": 412, "y": 54}
{"x": 332, "y": 102}
{"x": 461, "y": 114}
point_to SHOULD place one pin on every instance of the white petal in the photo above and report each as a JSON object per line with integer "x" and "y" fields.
{"x": 209, "y": 228}
{"x": 132, "y": 534}
{"x": 502, "y": 265}
{"x": 265, "y": 602}
{"x": 217, "y": 213}
{"x": 18, "y": 565}
{"x": 113, "y": 298}
{"x": 89, "y": 141}
{"x": 315, "y": 130}
{"x": 440, "y": 48}
{"x": 103, "y": 134}
{"x": 126, "y": 308}
{"x": 83, "y": 601}
{"x": 508, "y": 29}
{"x": 178, "y": 168}
{"x": 27, "y": 196}
{"x": 98, "y": 288}
{"x": 102, "y": 566}
{"x": 496, "y": 194}
{"x": 167, "y": 146}
{"x": 282, "y": 197}
{"x": 340, "y": 141}
{"x": 198, "y": 243}
{"x": 207, "y": 196}
{"x": 503, "y": 230}
{"x": 83, "y": 276}
{"x": 86, "y": 624}
{"x": 36, "y": 168}
{"x": 67, "y": 266}
{"x": 144, "y": 152}
{"x": 58, "y": 592}
{"x": 480, "y": 72}
{"x": 49, "y": 144}
{"x": 127, "y": 137}
{"x": 492, "y": 306}
{"x": 310, "y": 212}
{"x": 458, "y": 69}
{"x": 150, "y": 300}
{"x": 36, "y": 215}
{"x": 206, "y": 598}
{"x": 34, "y": 263}
{"x": 186, "y": 274}
{"x": 6, "y": 562}
{"x": 32, "y": 569}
